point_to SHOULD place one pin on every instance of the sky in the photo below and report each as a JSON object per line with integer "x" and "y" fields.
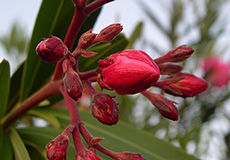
{"x": 126, "y": 12}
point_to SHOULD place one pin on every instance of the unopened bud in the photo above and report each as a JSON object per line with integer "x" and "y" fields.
{"x": 51, "y": 49}
{"x": 183, "y": 85}
{"x": 166, "y": 107}
{"x": 178, "y": 54}
{"x": 86, "y": 39}
{"x": 109, "y": 33}
{"x": 169, "y": 68}
{"x": 128, "y": 72}
{"x": 72, "y": 82}
{"x": 105, "y": 109}
{"x": 57, "y": 148}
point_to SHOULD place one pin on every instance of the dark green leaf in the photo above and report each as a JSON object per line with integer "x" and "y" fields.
{"x": 20, "y": 151}
{"x": 15, "y": 86}
{"x": 35, "y": 153}
{"x": 4, "y": 86}
{"x": 6, "y": 150}
{"x": 123, "y": 137}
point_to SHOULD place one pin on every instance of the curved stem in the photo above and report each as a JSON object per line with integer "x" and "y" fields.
{"x": 75, "y": 120}
{"x": 89, "y": 74}
{"x": 95, "y": 5}
{"x": 50, "y": 89}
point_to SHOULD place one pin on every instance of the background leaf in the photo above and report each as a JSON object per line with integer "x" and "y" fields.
{"x": 4, "y": 86}
{"x": 123, "y": 137}
{"x": 20, "y": 150}
{"x": 6, "y": 150}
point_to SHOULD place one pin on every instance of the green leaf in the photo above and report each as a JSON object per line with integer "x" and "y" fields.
{"x": 4, "y": 86}
{"x": 46, "y": 115}
{"x": 20, "y": 150}
{"x": 54, "y": 18}
{"x": 6, "y": 150}
{"x": 123, "y": 137}
{"x": 15, "y": 86}
{"x": 135, "y": 35}
{"x": 42, "y": 136}
{"x": 35, "y": 153}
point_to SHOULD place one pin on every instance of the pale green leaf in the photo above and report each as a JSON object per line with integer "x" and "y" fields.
{"x": 20, "y": 151}
{"x": 46, "y": 115}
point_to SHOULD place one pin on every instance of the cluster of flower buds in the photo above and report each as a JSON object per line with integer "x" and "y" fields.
{"x": 126, "y": 72}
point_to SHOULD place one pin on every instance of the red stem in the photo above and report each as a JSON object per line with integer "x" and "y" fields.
{"x": 89, "y": 88}
{"x": 50, "y": 89}
{"x": 75, "y": 120}
{"x": 95, "y": 5}
{"x": 87, "y": 136}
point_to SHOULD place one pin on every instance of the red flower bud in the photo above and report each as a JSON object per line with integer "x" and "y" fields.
{"x": 105, "y": 109}
{"x": 183, "y": 84}
{"x": 57, "y": 148}
{"x": 87, "y": 155}
{"x": 165, "y": 106}
{"x": 72, "y": 82}
{"x": 178, "y": 54}
{"x": 128, "y": 72}
{"x": 169, "y": 68}
{"x": 109, "y": 33}
{"x": 86, "y": 39}
{"x": 129, "y": 156}
{"x": 51, "y": 49}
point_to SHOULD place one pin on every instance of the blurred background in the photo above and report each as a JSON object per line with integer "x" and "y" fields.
{"x": 203, "y": 128}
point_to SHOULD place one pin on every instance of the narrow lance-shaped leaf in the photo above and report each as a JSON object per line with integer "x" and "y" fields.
{"x": 20, "y": 151}
{"x": 6, "y": 150}
{"x": 123, "y": 137}
{"x": 4, "y": 86}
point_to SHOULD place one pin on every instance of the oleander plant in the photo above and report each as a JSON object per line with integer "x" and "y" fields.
{"x": 68, "y": 63}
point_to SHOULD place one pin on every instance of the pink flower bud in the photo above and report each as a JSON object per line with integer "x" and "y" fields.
{"x": 183, "y": 84}
{"x": 72, "y": 82}
{"x": 87, "y": 155}
{"x": 105, "y": 109}
{"x": 178, "y": 54}
{"x": 165, "y": 106}
{"x": 128, "y": 72}
{"x": 129, "y": 156}
{"x": 217, "y": 71}
{"x": 169, "y": 68}
{"x": 109, "y": 33}
{"x": 57, "y": 148}
{"x": 51, "y": 49}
